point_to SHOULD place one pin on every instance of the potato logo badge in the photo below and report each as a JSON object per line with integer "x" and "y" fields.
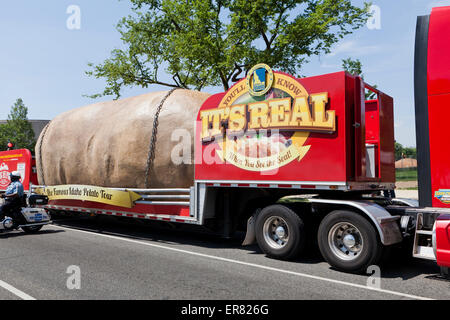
{"x": 259, "y": 80}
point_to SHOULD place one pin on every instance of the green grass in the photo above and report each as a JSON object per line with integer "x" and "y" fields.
{"x": 406, "y": 174}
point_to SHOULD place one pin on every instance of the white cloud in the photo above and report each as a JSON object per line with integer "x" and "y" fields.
{"x": 353, "y": 49}
{"x": 330, "y": 66}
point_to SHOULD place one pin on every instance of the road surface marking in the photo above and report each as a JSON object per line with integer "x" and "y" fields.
{"x": 299, "y": 274}
{"x": 16, "y": 291}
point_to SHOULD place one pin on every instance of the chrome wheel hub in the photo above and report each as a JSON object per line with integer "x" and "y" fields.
{"x": 345, "y": 241}
{"x": 349, "y": 241}
{"x": 7, "y": 223}
{"x": 280, "y": 232}
{"x": 276, "y": 232}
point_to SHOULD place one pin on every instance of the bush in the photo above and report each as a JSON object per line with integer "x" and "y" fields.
{"x": 406, "y": 174}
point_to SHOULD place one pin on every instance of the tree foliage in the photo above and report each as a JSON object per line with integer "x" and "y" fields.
{"x": 354, "y": 67}
{"x": 17, "y": 128}
{"x": 212, "y": 42}
{"x": 404, "y": 152}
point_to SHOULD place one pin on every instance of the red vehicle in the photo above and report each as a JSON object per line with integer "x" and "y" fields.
{"x": 298, "y": 159}
{"x": 17, "y": 160}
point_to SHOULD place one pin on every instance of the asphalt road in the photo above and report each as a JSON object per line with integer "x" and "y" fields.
{"x": 119, "y": 261}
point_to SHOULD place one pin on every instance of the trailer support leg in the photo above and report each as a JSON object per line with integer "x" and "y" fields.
{"x": 444, "y": 272}
{"x": 227, "y": 221}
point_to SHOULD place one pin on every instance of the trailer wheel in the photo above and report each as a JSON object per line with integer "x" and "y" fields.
{"x": 280, "y": 232}
{"x": 348, "y": 241}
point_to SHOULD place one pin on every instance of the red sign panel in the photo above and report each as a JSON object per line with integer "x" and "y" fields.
{"x": 275, "y": 127}
{"x": 15, "y": 160}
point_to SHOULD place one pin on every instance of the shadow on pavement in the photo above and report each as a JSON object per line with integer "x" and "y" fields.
{"x": 19, "y": 233}
{"x": 399, "y": 263}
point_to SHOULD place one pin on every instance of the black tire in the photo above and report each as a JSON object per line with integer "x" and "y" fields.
{"x": 295, "y": 242}
{"x": 34, "y": 229}
{"x": 370, "y": 252}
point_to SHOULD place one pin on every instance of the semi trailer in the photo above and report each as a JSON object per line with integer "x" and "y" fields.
{"x": 294, "y": 162}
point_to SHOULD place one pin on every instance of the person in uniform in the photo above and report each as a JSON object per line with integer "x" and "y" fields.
{"x": 13, "y": 194}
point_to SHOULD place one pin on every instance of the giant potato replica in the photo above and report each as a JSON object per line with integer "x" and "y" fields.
{"x": 108, "y": 143}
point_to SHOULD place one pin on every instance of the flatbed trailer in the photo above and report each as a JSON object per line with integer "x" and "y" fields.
{"x": 324, "y": 159}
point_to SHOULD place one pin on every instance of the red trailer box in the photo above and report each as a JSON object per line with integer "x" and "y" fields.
{"x": 17, "y": 160}
{"x": 323, "y": 133}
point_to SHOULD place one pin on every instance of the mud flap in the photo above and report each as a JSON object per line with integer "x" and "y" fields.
{"x": 250, "y": 235}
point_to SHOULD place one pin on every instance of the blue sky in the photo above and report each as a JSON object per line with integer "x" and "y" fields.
{"x": 43, "y": 62}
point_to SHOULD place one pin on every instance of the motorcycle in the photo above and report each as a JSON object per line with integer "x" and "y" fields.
{"x": 26, "y": 216}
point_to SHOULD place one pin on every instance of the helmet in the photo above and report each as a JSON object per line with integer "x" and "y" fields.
{"x": 15, "y": 174}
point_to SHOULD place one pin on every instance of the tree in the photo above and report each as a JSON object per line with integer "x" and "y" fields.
{"x": 398, "y": 151}
{"x": 410, "y": 152}
{"x": 354, "y": 67}
{"x": 211, "y": 42}
{"x": 17, "y": 129}
{"x": 404, "y": 152}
